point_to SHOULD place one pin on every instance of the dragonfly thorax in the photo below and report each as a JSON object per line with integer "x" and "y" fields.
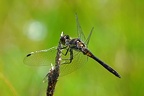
{"x": 76, "y": 44}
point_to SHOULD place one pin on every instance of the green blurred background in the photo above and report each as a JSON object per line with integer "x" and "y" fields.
{"x": 29, "y": 25}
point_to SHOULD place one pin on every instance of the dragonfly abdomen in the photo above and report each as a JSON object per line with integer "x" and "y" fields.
{"x": 88, "y": 53}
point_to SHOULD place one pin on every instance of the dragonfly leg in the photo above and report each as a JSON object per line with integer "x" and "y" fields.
{"x": 69, "y": 60}
{"x": 71, "y": 55}
{"x": 67, "y": 50}
{"x": 64, "y": 47}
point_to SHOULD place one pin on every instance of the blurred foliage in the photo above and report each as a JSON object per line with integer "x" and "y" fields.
{"x": 29, "y": 25}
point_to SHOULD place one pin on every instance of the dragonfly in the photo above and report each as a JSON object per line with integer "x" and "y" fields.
{"x": 75, "y": 53}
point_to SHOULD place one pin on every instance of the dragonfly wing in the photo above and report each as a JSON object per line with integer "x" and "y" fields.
{"x": 78, "y": 61}
{"x": 42, "y": 57}
{"x": 80, "y": 33}
{"x": 88, "y": 39}
{"x": 47, "y": 57}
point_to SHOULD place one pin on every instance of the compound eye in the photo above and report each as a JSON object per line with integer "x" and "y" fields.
{"x": 64, "y": 38}
{"x": 67, "y": 37}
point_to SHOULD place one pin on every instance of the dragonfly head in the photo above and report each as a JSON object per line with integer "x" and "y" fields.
{"x": 64, "y": 39}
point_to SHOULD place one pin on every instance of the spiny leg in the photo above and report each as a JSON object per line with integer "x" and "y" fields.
{"x": 69, "y": 60}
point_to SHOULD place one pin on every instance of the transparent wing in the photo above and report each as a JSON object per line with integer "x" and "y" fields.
{"x": 88, "y": 39}
{"x": 80, "y": 33}
{"x": 42, "y": 57}
{"x": 79, "y": 59}
{"x": 47, "y": 57}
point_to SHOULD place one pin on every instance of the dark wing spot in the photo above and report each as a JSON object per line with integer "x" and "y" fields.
{"x": 28, "y": 55}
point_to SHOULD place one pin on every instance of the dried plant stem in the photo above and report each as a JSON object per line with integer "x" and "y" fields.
{"x": 54, "y": 72}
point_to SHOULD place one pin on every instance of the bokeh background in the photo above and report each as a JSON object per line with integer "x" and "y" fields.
{"x": 30, "y": 25}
